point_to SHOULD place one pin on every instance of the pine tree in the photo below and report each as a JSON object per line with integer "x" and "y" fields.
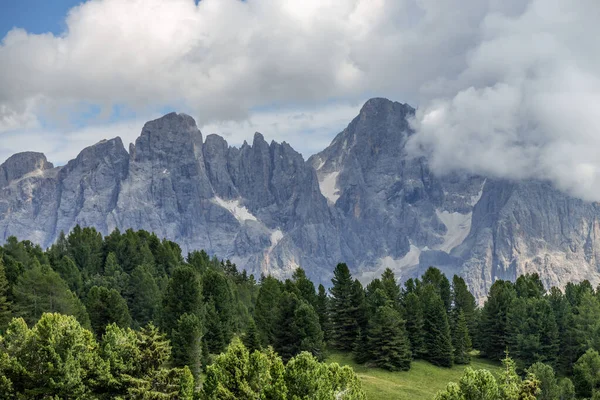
{"x": 322, "y": 309}
{"x": 388, "y": 344}
{"x": 183, "y": 296}
{"x": 461, "y": 341}
{"x": 344, "y": 326}
{"x": 308, "y": 330}
{"x": 266, "y": 309}
{"x": 286, "y": 337}
{"x": 494, "y": 320}
{"x": 464, "y": 301}
{"x": 251, "y": 337}
{"x": 414, "y": 324}
{"x": 106, "y": 306}
{"x": 5, "y": 306}
{"x": 305, "y": 287}
{"x": 67, "y": 270}
{"x": 391, "y": 288}
{"x": 219, "y": 297}
{"x": 441, "y": 284}
{"x": 143, "y": 296}
{"x": 438, "y": 342}
{"x": 186, "y": 342}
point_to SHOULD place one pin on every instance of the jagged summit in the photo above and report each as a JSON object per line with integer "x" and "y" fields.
{"x": 21, "y": 164}
{"x": 363, "y": 200}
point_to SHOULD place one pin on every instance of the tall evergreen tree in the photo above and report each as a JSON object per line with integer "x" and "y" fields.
{"x": 251, "y": 337}
{"x": 494, "y": 320}
{"x": 286, "y": 335}
{"x": 322, "y": 309}
{"x": 344, "y": 326}
{"x": 305, "y": 287}
{"x": 143, "y": 296}
{"x": 438, "y": 342}
{"x": 186, "y": 342}
{"x": 266, "y": 309}
{"x": 67, "y": 270}
{"x": 388, "y": 344}
{"x": 438, "y": 280}
{"x": 464, "y": 301}
{"x": 391, "y": 287}
{"x": 461, "y": 341}
{"x": 40, "y": 290}
{"x": 308, "y": 330}
{"x": 5, "y": 306}
{"x": 106, "y": 306}
{"x": 183, "y": 296}
{"x": 219, "y": 296}
{"x": 414, "y": 324}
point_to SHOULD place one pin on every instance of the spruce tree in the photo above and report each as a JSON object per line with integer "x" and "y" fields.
{"x": 388, "y": 344}
{"x": 414, "y": 324}
{"x": 286, "y": 337}
{"x": 322, "y": 310}
{"x": 5, "y": 306}
{"x": 251, "y": 337}
{"x": 464, "y": 301}
{"x": 143, "y": 296}
{"x": 438, "y": 342}
{"x": 343, "y": 311}
{"x": 186, "y": 342}
{"x": 441, "y": 284}
{"x": 106, "y": 306}
{"x": 391, "y": 288}
{"x": 494, "y": 320}
{"x": 183, "y": 296}
{"x": 219, "y": 296}
{"x": 461, "y": 341}
{"x": 305, "y": 287}
{"x": 266, "y": 309}
{"x": 308, "y": 330}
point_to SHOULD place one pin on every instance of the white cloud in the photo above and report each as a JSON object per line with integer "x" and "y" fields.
{"x": 527, "y": 104}
{"x": 504, "y": 88}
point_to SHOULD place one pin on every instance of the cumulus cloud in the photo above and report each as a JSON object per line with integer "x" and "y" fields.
{"x": 503, "y": 88}
{"x": 527, "y": 105}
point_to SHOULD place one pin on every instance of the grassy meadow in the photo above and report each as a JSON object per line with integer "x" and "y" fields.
{"x": 422, "y": 382}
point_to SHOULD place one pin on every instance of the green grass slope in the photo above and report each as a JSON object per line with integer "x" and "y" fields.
{"x": 422, "y": 382}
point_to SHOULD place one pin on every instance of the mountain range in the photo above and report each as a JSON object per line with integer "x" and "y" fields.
{"x": 364, "y": 200}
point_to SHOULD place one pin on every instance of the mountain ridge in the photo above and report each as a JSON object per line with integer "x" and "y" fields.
{"x": 365, "y": 200}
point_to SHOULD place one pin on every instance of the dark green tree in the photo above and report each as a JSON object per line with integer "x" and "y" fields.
{"x": 529, "y": 286}
{"x": 414, "y": 324}
{"x": 41, "y": 290}
{"x": 387, "y": 341}
{"x": 251, "y": 337}
{"x": 391, "y": 287}
{"x": 5, "y": 305}
{"x": 85, "y": 248}
{"x": 305, "y": 287}
{"x": 143, "y": 296}
{"x": 308, "y": 330}
{"x": 67, "y": 269}
{"x": 186, "y": 342}
{"x": 440, "y": 282}
{"x": 183, "y": 296}
{"x": 106, "y": 306}
{"x": 218, "y": 293}
{"x": 266, "y": 310}
{"x": 344, "y": 326}
{"x": 549, "y": 387}
{"x": 586, "y": 374}
{"x": 494, "y": 320}
{"x": 461, "y": 341}
{"x": 438, "y": 342}
{"x": 322, "y": 309}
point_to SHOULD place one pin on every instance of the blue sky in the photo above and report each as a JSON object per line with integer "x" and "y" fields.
{"x": 35, "y": 16}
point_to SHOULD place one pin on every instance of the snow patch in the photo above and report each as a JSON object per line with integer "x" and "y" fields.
{"x": 327, "y": 184}
{"x": 457, "y": 228}
{"x": 240, "y": 212}
{"x": 397, "y": 265}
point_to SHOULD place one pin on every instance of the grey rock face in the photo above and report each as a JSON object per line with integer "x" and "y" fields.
{"x": 364, "y": 200}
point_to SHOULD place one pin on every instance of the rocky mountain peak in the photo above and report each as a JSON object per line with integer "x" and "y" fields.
{"x": 21, "y": 164}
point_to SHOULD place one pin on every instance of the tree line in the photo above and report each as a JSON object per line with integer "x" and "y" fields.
{"x": 130, "y": 279}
